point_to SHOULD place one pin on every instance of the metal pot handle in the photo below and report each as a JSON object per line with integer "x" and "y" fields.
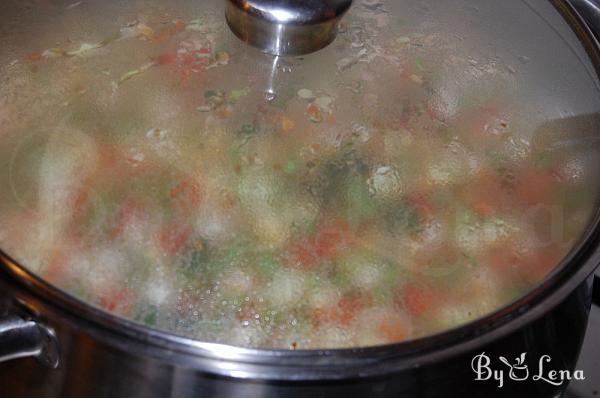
{"x": 20, "y": 338}
{"x": 596, "y": 290}
{"x": 589, "y": 10}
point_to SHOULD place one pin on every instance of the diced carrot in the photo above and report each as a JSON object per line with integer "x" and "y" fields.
{"x": 56, "y": 266}
{"x": 486, "y": 194}
{"x": 173, "y": 238}
{"x": 165, "y": 34}
{"x": 483, "y": 209}
{"x": 406, "y": 73}
{"x": 146, "y": 31}
{"x": 110, "y": 158}
{"x": 224, "y": 112}
{"x": 501, "y": 257}
{"x": 422, "y": 205}
{"x": 179, "y": 26}
{"x": 185, "y": 76}
{"x": 347, "y": 309}
{"x": 166, "y": 58}
{"x": 393, "y": 329}
{"x": 186, "y": 195}
{"x": 342, "y": 312}
{"x": 302, "y": 254}
{"x": 287, "y": 124}
{"x": 192, "y": 62}
{"x": 187, "y": 59}
{"x": 418, "y": 300}
{"x": 81, "y": 202}
{"x": 535, "y": 186}
{"x": 532, "y": 266}
{"x": 323, "y": 245}
{"x": 320, "y": 316}
{"x": 33, "y": 57}
{"x": 327, "y": 242}
{"x": 116, "y": 298}
{"x": 313, "y": 111}
{"x": 129, "y": 209}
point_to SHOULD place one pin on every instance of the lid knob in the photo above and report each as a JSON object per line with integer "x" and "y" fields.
{"x": 286, "y": 27}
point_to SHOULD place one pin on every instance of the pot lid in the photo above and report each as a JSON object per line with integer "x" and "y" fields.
{"x": 425, "y": 169}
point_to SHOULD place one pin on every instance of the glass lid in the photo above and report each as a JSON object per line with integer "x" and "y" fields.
{"x": 427, "y": 168}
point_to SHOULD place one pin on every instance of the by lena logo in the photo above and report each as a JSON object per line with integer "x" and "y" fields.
{"x": 519, "y": 371}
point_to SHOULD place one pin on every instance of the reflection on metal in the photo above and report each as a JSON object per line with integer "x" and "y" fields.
{"x": 270, "y": 92}
{"x": 20, "y": 338}
{"x": 286, "y": 27}
{"x": 589, "y": 10}
{"x": 596, "y": 291}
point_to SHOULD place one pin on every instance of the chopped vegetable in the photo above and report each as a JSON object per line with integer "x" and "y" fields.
{"x": 85, "y": 47}
{"x": 195, "y": 25}
{"x": 314, "y": 113}
{"x": 287, "y": 124}
{"x": 306, "y": 94}
{"x": 135, "y": 72}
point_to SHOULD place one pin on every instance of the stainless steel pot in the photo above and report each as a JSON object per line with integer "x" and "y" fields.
{"x": 84, "y": 352}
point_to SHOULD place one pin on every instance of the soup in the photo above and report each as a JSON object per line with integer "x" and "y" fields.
{"x": 159, "y": 169}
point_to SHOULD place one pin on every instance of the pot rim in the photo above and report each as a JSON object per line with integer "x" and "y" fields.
{"x": 334, "y": 364}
